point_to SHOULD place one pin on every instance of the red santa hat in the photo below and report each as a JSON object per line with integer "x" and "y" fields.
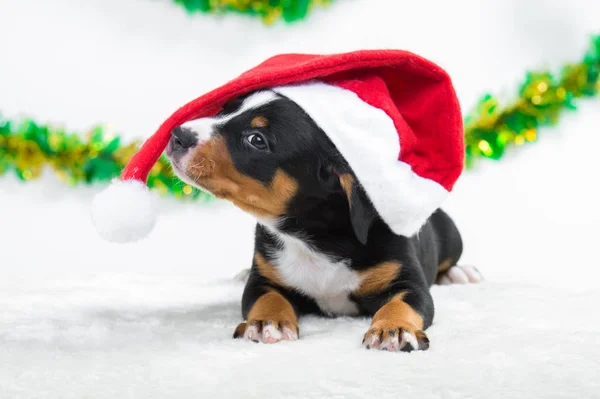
{"x": 393, "y": 115}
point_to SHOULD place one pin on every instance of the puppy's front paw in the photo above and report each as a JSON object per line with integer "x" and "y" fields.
{"x": 387, "y": 336}
{"x": 267, "y": 331}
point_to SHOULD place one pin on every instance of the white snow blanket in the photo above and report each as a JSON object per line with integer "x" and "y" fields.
{"x": 82, "y": 318}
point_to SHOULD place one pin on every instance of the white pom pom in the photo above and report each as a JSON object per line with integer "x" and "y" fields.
{"x": 124, "y": 212}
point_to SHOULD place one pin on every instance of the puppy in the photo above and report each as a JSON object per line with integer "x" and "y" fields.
{"x": 320, "y": 246}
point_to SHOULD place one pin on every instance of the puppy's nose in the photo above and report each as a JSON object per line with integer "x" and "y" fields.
{"x": 182, "y": 138}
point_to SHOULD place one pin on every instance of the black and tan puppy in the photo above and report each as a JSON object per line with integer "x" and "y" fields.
{"x": 320, "y": 246}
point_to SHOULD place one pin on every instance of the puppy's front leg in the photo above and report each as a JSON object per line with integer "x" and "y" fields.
{"x": 269, "y": 316}
{"x": 401, "y": 313}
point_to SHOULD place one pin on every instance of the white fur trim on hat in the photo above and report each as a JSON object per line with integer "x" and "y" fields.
{"x": 125, "y": 211}
{"x": 368, "y": 140}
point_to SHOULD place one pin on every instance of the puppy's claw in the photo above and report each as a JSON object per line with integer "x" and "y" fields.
{"x": 396, "y": 340}
{"x": 268, "y": 332}
{"x": 254, "y": 332}
{"x": 271, "y": 334}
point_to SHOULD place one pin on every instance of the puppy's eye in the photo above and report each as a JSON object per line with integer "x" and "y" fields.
{"x": 257, "y": 141}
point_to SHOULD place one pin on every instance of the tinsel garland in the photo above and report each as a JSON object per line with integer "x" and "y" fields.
{"x": 94, "y": 157}
{"x": 269, "y": 10}
{"x": 490, "y": 129}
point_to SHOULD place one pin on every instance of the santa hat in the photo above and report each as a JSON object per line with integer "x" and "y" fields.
{"x": 393, "y": 115}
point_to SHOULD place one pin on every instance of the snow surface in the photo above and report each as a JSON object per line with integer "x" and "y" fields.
{"x": 83, "y": 318}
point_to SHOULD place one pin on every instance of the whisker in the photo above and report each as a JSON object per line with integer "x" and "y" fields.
{"x": 199, "y": 165}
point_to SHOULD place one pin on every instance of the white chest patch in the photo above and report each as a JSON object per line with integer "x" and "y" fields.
{"x": 314, "y": 274}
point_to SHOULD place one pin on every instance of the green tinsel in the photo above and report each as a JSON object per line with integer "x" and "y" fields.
{"x": 490, "y": 129}
{"x": 95, "y": 157}
{"x": 269, "y": 10}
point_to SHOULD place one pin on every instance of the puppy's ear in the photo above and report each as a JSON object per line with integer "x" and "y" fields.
{"x": 362, "y": 211}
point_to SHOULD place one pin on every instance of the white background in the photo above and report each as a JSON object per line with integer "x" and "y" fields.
{"x": 83, "y": 318}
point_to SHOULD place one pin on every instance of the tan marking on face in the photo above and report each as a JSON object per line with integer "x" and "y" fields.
{"x": 378, "y": 277}
{"x": 268, "y": 270}
{"x": 347, "y": 181}
{"x": 211, "y": 167}
{"x": 259, "y": 122}
{"x": 445, "y": 265}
